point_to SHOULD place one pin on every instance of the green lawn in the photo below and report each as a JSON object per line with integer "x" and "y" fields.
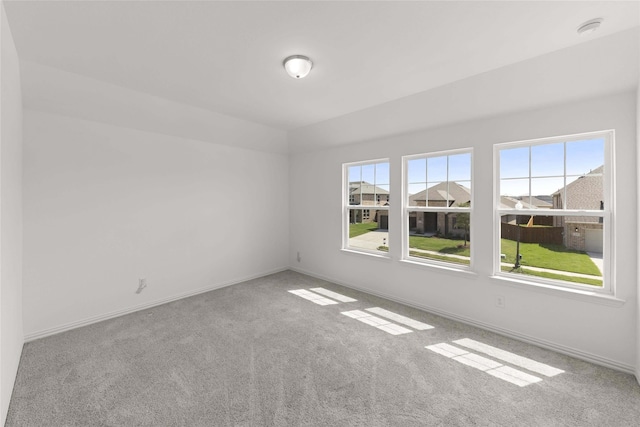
{"x": 362, "y": 228}
{"x": 439, "y": 244}
{"x": 554, "y": 257}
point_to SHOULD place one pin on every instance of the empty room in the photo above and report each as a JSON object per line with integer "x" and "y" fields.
{"x": 319, "y": 213}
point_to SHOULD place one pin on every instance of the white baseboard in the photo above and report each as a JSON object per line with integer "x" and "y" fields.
{"x": 569, "y": 351}
{"x": 95, "y": 319}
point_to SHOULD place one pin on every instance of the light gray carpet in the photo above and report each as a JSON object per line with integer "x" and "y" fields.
{"x": 254, "y": 354}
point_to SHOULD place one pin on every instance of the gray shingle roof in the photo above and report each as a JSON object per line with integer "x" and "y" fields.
{"x": 366, "y": 188}
{"x": 455, "y": 193}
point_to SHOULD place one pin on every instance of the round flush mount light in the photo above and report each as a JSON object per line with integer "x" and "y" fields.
{"x": 589, "y": 26}
{"x": 297, "y": 66}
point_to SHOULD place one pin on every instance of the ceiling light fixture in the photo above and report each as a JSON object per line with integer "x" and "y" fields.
{"x": 589, "y": 26}
{"x": 297, "y": 66}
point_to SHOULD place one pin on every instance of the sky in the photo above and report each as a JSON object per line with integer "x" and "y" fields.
{"x": 427, "y": 172}
{"x": 377, "y": 174}
{"x": 547, "y": 173}
{"x": 547, "y": 166}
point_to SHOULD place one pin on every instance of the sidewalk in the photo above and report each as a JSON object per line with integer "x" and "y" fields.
{"x": 548, "y": 270}
{"x": 524, "y": 267}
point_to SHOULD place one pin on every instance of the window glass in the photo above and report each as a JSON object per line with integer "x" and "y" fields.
{"x": 547, "y": 160}
{"x": 460, "y": 167}
{"x": 557, "y": 246}
{"x": 545, "y": 251}
{"x": 514, "y": 162}
{"x": 367, "y": 206}
{"x": 584, "y": 156}
{"x": 437, "y": 169}
{"x": 438, "y": 210}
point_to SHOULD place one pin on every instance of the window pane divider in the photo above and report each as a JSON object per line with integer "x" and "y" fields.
{"x": 553, "y": 212}
{"x": 437, "y": 209}
{"x": 372, "y": 207}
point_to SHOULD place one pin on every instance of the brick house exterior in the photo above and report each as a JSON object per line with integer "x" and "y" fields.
{"x": 444, "y": 194}
{"x": 366, "y": 194}
{"x": 586, "y": 192}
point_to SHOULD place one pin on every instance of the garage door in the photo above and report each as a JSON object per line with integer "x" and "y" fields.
{"x": 593, "y": 240}
{"x": 384, "y": 222}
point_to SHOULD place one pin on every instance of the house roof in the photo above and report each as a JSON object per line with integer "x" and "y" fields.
{"x": 363, "y": 187}
{"x": 544, "y": 202}
{"x": 446, "y": 190}
{"x": 458, "y": 194}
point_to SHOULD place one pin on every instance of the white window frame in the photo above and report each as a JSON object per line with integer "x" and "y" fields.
{"x": 406, "y": 209}
{"x": 607, "y": 214}
{"x": 347, "y": 207}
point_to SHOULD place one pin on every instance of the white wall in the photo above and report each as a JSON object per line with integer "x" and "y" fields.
{"x": 106, "y": 205}
{"x": 595, "y": 331}
{"x": 638, "y": 238}
{"x": 10, "y": 215}
{"x": 594, "y": 68}
{"x": 56, "y": 91}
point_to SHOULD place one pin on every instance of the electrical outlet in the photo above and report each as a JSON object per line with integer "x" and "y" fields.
{"x": 500, "y": 301}
{"x": 299, "y": 258}
{"x": 142, "y": 283}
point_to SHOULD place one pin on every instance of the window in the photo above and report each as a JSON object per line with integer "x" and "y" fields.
{"x": 553, "y": 210}
{"x": 366, "y": 206}
{"x": 437, "y": 211}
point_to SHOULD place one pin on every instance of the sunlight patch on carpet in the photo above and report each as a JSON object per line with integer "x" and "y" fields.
{"x": 377, "y": 322}
{"x": 400, "y": 319}
{"x": 514, "y": 376}
{"x": 336, "y": 296}
{"x": 484, "y": 364}
{"x": 511, "y": 358}
{"x": 315, "y": 298}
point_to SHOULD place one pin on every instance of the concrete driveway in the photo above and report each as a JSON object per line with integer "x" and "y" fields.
{"x": 370, "y": 240}
{"x": 596, "y": 257}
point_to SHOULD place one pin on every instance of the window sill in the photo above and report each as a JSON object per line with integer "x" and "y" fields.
{"x": 440, "y": 267}
{"x": 577, "y": 294}
{"x": 379, "y": 255}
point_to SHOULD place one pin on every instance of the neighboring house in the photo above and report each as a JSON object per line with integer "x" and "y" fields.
{"x": 586, "y": 192}
{"x": 444, "y": 194}
{"x": 367, "y": 194}
{"x": 447, "y": 194}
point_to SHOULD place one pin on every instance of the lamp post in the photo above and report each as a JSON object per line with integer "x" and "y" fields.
{"x": 517, "y": 264}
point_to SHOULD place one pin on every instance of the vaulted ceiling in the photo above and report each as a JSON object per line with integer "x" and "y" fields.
{"x": 226, "y": 57}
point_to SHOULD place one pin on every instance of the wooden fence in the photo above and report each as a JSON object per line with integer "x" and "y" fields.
{"x": 532, "y": 234}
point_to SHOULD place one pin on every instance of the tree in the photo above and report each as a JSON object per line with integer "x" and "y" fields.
{"x": 463, "y": 220}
